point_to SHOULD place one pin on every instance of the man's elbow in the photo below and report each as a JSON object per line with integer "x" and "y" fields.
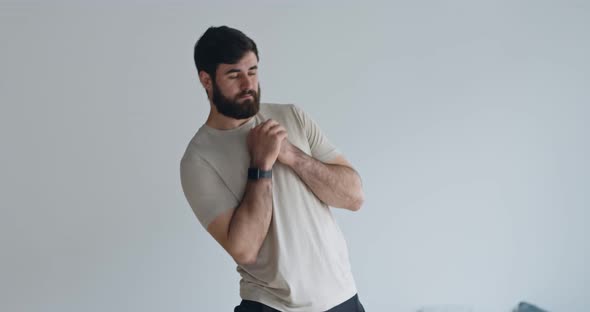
{"x": 245, "y": 258}
{"x": 359, "y": 196}
{"x": 357, "y": 202}
{"x": 244, "y": 252}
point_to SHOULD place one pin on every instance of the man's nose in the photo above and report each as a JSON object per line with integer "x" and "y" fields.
{"x": 246, "y": 83}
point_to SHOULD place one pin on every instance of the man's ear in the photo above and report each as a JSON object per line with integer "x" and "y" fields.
{"x": 205, "y": 79}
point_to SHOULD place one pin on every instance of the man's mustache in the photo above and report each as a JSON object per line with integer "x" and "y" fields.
{"x": 247, "y": 92}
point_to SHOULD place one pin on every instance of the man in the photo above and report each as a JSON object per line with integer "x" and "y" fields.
{"x": 260, "y": 178}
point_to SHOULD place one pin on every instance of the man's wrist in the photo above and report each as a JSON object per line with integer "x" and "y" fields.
{"x": 290, "y": 155}
{"x": 293, "y": 156}
{"x": 261, "y": 165}
{"x": 258, "y": 173}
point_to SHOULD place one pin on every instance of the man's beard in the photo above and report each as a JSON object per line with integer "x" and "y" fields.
{"x": 232, "y": 108}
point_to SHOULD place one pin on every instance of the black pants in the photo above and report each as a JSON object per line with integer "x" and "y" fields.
{"x": 351, "y": 305}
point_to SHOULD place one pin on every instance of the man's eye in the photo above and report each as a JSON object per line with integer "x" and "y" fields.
{"x": 252, "y": 73}
{"x": 233, "y": 76}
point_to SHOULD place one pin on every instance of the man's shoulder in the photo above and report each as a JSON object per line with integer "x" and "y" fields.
{"x": 191, "y": 153}
{"x": 198, "y": 143}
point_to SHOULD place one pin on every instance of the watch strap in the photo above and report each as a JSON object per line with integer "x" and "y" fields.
{"x": 257, "y": 173}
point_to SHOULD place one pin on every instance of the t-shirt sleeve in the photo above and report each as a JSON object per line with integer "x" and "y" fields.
{"x": 321, "y": 148}
{"x": 204, "y": 190}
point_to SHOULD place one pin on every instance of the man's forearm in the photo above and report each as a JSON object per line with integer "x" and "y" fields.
{"x": 336, "y": 185}
{"x": 251, "y": 220}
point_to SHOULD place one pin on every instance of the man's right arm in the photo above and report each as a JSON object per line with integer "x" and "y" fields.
{"x": 242, "y": 230}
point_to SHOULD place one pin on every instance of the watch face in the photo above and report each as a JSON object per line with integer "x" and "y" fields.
{"x": 253, "y": 173}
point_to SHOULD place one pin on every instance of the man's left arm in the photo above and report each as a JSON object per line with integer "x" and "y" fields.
{"x": 334, "y": 182}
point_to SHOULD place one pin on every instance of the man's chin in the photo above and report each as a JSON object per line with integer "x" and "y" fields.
{"x": 248, "y": 100}
{"x": 241, "y": 114}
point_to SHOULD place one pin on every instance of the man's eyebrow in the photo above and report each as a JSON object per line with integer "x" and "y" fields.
{"x": 235, "y": 70}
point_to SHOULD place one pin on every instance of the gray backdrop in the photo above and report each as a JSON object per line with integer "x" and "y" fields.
{"x": 467, "y": 120}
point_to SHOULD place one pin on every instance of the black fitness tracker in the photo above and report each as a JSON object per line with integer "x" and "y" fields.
{"x": 257, "y": 173}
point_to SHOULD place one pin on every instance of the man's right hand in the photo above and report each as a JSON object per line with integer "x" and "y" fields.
{"x": 264, "y": 144}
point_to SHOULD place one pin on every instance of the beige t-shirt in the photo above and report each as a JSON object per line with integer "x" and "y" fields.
{"x": 303, "y": 263}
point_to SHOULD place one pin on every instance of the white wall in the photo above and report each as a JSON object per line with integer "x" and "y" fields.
{"x": 467, "y": 121}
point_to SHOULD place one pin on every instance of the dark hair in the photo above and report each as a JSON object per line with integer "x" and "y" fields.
{"x": 221, "y": 45}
